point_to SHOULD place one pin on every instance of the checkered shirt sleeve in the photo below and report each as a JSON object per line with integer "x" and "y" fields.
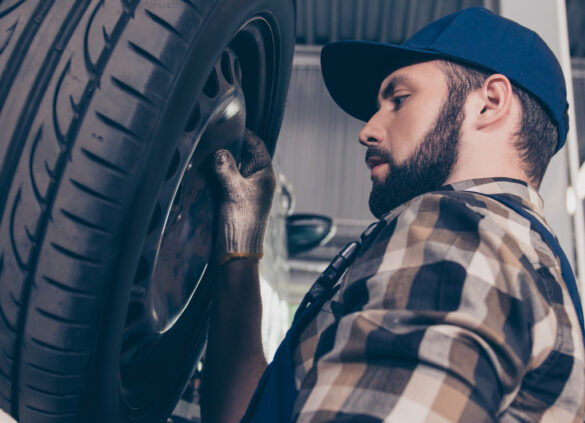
{"x": 455, "y": 313}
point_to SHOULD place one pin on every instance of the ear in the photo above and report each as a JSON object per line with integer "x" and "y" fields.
{"x": 495, "y": 101}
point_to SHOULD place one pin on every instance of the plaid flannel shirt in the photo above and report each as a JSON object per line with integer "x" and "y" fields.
{"x": 456, "y": 312}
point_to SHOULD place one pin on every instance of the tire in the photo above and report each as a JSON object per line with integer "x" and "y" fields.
{"x": 107, "y": 110}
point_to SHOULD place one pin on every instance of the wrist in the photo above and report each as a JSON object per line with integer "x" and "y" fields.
{"x": 237, "y": 277}
{"x": 240, "y": 257}
{"x": 236, "y": 243}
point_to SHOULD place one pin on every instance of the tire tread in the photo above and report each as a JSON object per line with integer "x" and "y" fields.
{"x": 75, "y": 146}
{"x": 149, "y": 57}
{"x": 63, "y": 320}
{"x": 53, "y": 373}
{"x": 117, "y": 125}
{"x": 93, "y": 193}
{"x": 49, "y": 414}
{"x": 3, "y": 374}
{"x": 75, "y": 256}
{"x": 67, "y": 288}
{"x": 16, "y": 185}
{"x": 4, "y": 319}
{"x": 166, "y": 25}
{"x": 85, "y": 223}
{"x": 132, "y": 91}
{"x": 193, "y": 5}
{"x": 10, "y": 9}
{"x": 54, "y": 348}
{"x": 50, "y": 394}
{"x": 22, "y": 46}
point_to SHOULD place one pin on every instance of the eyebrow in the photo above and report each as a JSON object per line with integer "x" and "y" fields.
{"x": 389, "y": 89}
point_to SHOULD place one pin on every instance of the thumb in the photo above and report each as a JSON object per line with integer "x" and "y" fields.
{"x": 255, "y": 155}
{"x": 226, "y": 169}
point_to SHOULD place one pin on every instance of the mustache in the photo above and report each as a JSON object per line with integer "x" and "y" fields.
{"x": 379, "y": 153}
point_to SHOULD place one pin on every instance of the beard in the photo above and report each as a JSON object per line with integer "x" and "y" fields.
{"x": 427, "y": 168}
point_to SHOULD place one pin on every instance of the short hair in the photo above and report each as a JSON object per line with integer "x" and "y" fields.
{"x": 537, "y": 137}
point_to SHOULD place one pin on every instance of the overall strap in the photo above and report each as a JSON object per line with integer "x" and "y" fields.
{"x": 552, "y": 242}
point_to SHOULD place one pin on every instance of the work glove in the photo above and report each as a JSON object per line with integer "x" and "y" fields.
{"x": 245, "y": 198}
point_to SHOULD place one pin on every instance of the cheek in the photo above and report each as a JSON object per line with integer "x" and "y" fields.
{"x": 410, "y": 128}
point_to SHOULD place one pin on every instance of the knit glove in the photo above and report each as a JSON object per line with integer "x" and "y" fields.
{"x": 245, "y": 199}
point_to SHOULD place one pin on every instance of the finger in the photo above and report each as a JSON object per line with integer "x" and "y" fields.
{"x": 226, "y": 169}
{"x": 254, "y": 156}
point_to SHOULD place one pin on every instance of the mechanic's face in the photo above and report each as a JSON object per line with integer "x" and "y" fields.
{"x": 413, "y": 138}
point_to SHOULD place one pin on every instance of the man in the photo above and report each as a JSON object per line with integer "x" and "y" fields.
{"x": 456, "y": 308}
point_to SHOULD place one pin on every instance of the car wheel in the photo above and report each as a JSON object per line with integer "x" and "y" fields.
{"x": 108, "y": 109}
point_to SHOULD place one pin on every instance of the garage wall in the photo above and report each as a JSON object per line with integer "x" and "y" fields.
{"x": 578, "y": 64}
{"x": 319, "y": 153}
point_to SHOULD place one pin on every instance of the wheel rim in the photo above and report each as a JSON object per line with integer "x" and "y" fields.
{"x": 163, "y": 306}
{"x": 182, "y": 250}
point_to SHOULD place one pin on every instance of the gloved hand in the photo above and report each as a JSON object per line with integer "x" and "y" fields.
{"x": 245, "y": 199}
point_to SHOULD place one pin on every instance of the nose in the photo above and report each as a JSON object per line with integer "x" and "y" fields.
{"x": 372, "y": 133}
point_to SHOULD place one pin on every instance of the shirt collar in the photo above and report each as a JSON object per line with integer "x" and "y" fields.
{"x": 514, "y": 189}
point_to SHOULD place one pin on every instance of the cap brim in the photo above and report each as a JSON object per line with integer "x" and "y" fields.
{"x": 354, "y": 70}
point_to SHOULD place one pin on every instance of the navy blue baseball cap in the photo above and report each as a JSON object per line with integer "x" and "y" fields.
{"x": 354, "y": 70}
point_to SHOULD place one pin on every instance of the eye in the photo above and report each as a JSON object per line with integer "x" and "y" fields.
{"x": 398, "y": 100}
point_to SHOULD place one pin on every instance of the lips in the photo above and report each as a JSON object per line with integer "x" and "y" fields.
{"x": 374, "y": 161}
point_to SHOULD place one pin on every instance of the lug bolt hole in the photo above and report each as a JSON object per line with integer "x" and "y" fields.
{"x": 142, "y": 270}
{"x": 238, "y": 70}
{"x": 226, "y": 70}
{"x": 155, "y": 219}
{"x": 135, "y": 310}
{"x": 132, "y": 340}
{"x": 194, "y": 119}
{"x": 211, "y": 88}
{"x": 175, "y": 161}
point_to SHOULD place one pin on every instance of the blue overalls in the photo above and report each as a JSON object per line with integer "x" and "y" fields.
{"x": 275, "y": 395}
